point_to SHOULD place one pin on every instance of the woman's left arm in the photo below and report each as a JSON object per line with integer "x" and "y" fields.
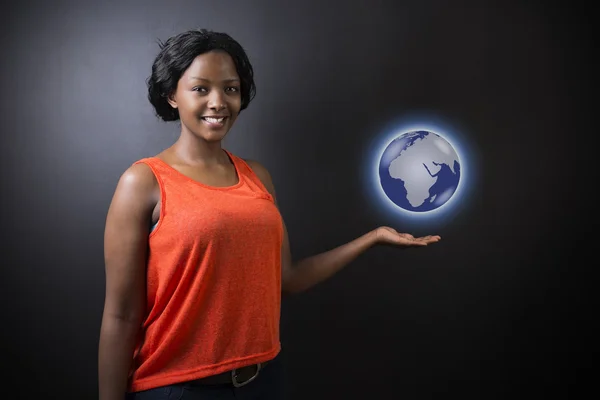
{"x": 301, "y": 275}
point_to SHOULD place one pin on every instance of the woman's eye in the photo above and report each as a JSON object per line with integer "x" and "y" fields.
{"x": 233, "y": 89}
{"x": 199, "y": 89}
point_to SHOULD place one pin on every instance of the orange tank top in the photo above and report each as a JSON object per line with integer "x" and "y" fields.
{"x": 213, "y": 279}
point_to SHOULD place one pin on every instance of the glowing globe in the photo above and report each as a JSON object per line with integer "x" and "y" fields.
{"x": 419, "y": 171}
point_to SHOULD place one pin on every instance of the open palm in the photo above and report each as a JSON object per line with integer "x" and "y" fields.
{"x": 387, "y": 235}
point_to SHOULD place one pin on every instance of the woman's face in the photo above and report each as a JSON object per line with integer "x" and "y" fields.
{"x": 208, "y": 96}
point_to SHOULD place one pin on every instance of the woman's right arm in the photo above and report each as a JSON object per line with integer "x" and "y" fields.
{"x": 125, "y": 251}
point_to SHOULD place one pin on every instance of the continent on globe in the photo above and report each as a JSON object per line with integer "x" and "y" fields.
{"x": 419, "y": 171}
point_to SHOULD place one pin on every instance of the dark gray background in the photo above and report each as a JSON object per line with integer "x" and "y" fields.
{"x": 497, "y": 310}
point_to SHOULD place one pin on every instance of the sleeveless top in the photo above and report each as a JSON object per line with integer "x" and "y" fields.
{"x": 213, "y": 279}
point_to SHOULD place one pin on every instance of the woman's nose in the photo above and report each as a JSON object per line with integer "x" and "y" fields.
{"x": 216, "y": 100}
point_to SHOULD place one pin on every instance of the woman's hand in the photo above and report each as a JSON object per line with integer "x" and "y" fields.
{"x": 387, "y": 235}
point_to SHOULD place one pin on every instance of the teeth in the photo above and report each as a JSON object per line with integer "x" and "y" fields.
{"x": 214, "y": 120}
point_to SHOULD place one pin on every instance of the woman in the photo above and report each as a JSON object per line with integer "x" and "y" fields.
{"x": 196, "y": 252}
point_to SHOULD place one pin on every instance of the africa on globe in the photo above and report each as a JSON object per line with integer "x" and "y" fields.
{"x": 419, "y": 171}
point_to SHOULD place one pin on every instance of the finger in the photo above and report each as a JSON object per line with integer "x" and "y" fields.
{"x": 424, "y": 240}
{"x": 430, "y": 238}
{"x": 409, "y": 242}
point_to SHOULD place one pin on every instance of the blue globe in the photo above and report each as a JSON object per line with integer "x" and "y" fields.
{"x": 419, "y": 171}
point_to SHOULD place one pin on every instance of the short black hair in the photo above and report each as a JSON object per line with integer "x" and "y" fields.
{"x": 175, "y": 56}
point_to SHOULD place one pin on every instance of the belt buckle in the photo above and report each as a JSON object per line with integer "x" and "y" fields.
{"x": 234, "y": 377}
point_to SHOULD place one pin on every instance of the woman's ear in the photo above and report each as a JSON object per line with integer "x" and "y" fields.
{"x": 172, "y": 101}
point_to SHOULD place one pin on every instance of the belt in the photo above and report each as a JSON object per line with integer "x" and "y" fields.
{"x": 237, "y": 377}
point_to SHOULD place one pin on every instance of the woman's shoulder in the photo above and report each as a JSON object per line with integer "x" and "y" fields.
{"x": 262, "y": 173}
{"x": 256, "y": 166}
{"x": 138, "y": 178}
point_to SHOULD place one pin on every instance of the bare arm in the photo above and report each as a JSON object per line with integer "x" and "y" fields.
{"x": 125, "y": 250}
{"x": 302, "y": 275}
{"x": 310, "y": 271}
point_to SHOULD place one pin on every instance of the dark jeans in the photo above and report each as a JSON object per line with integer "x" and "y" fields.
{"x": 267, "y": 386}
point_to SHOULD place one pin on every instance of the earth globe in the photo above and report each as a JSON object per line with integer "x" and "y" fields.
{"x": 419, "y": 171}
